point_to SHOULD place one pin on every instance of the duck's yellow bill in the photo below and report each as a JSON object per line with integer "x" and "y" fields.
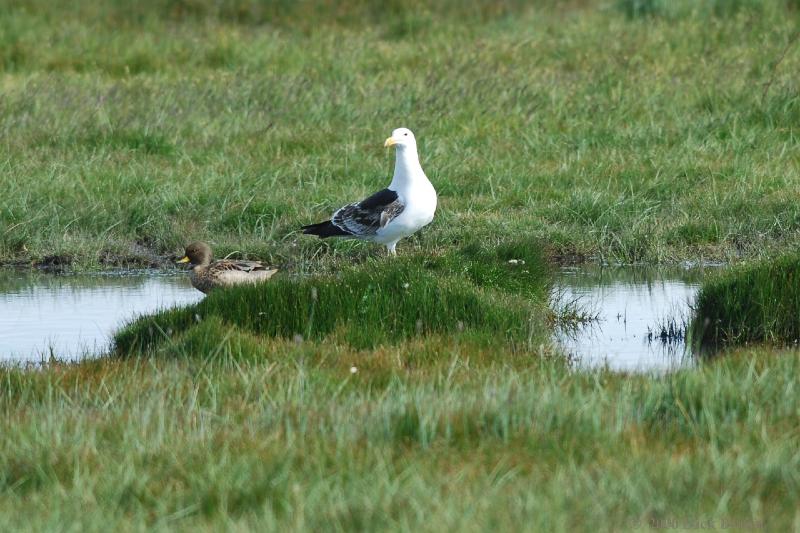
{"x": 184, "y": 260}
{"x": 389, "y": 142}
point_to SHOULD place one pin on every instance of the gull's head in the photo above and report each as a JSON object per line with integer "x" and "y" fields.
{"x": 402, "y": 138}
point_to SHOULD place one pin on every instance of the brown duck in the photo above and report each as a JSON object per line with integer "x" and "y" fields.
{"x": 207, "y": 275}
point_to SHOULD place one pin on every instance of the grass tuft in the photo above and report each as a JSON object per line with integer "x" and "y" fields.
{"x": 471, "y": 292}
{"x": 753, "y": 303}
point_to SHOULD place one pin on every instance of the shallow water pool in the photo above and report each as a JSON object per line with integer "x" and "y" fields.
{"x": 74, "y": 316}
{"x": 639, "y": 315}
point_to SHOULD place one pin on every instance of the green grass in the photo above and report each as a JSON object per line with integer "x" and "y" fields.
{"x": 617, "y": 131}
{"x": 425, "y": 436}
{"x": 755, "y": 303}
{"x": 473, "y": 292}
{"x": 644, "y": 138}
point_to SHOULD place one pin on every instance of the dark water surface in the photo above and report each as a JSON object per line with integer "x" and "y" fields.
{"x": 74, "y": 316}
{"x": 641, "y": 315}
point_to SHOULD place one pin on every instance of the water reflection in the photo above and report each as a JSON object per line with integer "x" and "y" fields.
{"x": 641, "y": 316}
{"x": 74, "y": 316}
{"x": 641, "y": 313}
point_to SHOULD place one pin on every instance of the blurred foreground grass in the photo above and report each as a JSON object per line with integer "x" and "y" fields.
{"x": 425, "y": 435}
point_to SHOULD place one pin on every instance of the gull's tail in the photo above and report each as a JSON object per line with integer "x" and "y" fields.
{"x": 324, "y": 230}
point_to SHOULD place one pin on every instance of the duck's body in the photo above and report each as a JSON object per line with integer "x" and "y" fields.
{"x": 226, "y": 273}
{"x": 206, "y": 275}
{"x": 400, "y": 210}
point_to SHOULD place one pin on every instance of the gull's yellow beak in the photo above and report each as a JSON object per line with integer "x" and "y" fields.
{"x": 184, "y": 260}
{"x": 389, "y": 142}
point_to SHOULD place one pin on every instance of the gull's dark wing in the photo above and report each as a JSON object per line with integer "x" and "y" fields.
{"x": 366, "y": 217}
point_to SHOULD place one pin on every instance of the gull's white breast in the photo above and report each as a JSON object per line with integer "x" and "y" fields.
{"x": 420, "y": 205}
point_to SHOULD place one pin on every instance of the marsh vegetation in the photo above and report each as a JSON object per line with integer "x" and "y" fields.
{"x": 352, "y": 392}
{"x": 754, "y": 303}
{"x": 645, "y": 139}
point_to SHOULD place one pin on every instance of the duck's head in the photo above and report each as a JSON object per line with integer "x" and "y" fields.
{"x": 197, "y": 253}
{"x": 401, "y": 139}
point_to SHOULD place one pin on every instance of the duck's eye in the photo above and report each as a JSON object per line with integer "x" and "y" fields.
{"x": 406, "y": 134}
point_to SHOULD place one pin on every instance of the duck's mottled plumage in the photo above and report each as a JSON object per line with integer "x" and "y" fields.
{"x": 207, "y": 274}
